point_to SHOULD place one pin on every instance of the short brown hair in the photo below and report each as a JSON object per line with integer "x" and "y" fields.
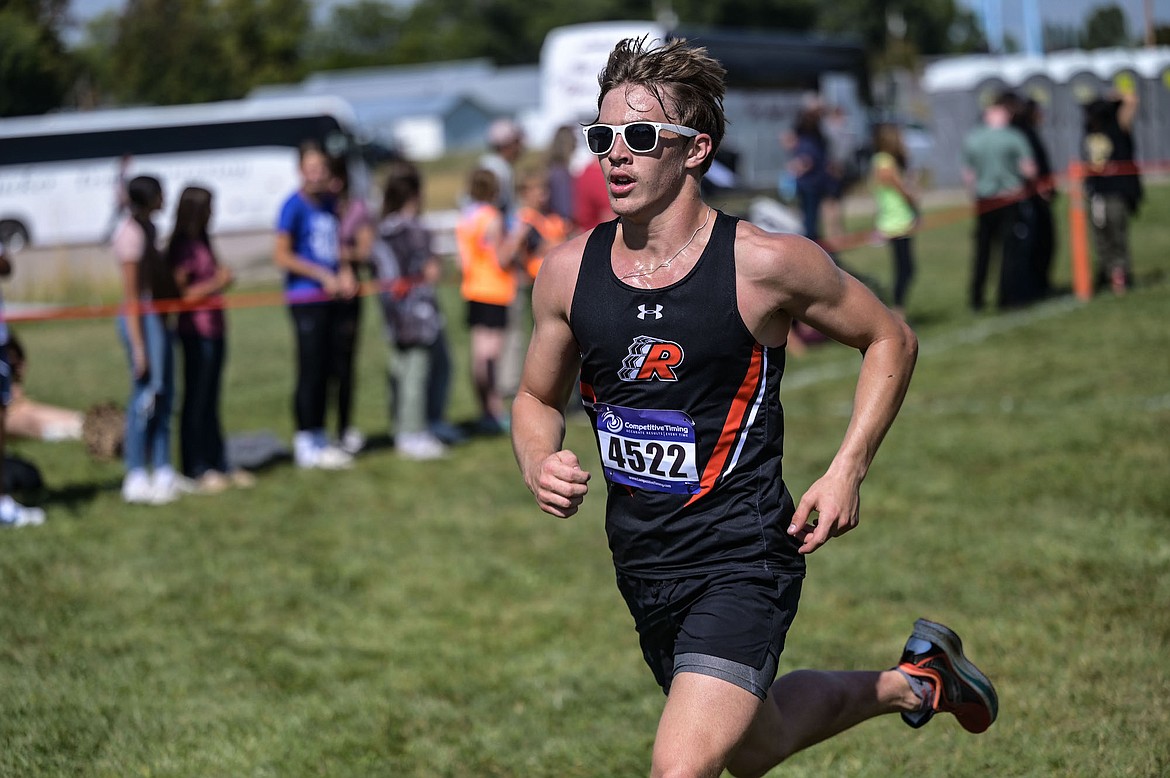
{"x": 403, "y": 184}
{"x": 483, "y": 186}
{"x": 685, "y": 80}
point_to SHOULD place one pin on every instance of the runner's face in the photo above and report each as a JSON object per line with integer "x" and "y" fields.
{"x": 640, "y": 181}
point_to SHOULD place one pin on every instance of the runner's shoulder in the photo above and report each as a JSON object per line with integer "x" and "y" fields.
{"x": 772, "y": 256}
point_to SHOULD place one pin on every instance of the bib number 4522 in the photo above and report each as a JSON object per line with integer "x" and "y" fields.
{"x": 651, "y": 458}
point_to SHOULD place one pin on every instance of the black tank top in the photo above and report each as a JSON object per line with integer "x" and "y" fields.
{"x": 685, "y": 406}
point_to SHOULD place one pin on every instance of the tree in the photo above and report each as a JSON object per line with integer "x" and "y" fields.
{"x": 359, "y": 35}
{"x": 182, "y": 51}
{"x": 35, "y": 69}
{"x": 172, "y": 51}
{"x": 1105, "y": 27}
{"x": 264, "y": 39}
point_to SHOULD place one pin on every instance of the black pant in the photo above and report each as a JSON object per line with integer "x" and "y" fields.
{"x": 201, "y": 445}
{"x": 994, "y": 230}
{"x": 438, "y": 380}
{"x": 1043, "y": 245}
{"x": 346, "y": 324}
{"x": 903, "y": 254}
{"x": 313, "y": 326}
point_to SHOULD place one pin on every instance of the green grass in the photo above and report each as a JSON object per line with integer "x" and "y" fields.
{"x": 409, "y": 619}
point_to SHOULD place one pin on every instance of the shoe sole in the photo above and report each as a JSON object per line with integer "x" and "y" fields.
{"x": 946, "y": 639}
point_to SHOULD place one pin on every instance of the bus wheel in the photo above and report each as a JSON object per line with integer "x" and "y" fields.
{"x": 13, "y": 235}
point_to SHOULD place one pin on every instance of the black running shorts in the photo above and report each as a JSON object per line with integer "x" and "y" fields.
{"x": 729, "y": 625}
{"x": 487, "y": 315}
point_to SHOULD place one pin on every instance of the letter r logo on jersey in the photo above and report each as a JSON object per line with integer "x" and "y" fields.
{"x": 651, "y": 359}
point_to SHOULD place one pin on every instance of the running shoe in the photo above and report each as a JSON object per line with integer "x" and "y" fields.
{"x": 934, "y": 654}
{"x": 352, "y": 441}
{"x": 13, "y": 514}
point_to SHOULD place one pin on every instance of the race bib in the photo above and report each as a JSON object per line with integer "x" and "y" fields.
{"x": 648, "y": 449}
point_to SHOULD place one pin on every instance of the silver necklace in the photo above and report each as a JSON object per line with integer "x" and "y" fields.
{"x": 666, "y": 263}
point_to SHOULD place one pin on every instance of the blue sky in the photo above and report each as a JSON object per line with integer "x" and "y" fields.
{"x": 1052, "y": 11}
{"x": 1072, "y": 12}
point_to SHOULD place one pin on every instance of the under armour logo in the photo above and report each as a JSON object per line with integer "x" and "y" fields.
{"x": 643, "y": 312}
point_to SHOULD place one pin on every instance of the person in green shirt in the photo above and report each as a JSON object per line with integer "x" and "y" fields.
{"x": 897, "y": 212}
{"x": 997, "y": 162}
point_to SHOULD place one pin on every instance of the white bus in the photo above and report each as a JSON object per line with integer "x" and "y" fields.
{"x": 59, "y": 172}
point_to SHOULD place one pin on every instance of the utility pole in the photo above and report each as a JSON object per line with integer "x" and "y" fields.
{"x": 1033, "y": 29}
{"x": 993, "y": 25}
{"x": 1149, "y": 8}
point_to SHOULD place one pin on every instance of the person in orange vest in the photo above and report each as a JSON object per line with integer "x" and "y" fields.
{"x": 541, "y": 228}
{"x": 487, "y": 255}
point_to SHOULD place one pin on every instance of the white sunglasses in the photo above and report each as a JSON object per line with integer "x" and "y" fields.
{"x": 639, "y": 137}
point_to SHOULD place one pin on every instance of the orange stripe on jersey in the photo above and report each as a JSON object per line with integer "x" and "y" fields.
{"x": 740, "y": 407}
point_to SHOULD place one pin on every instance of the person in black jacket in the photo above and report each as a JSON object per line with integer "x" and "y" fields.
{"x": 1112, "y": 184}
{"x": 1041, "y": 191}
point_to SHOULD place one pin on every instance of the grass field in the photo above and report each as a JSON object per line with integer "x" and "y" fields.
{"x": 408, "y": 619}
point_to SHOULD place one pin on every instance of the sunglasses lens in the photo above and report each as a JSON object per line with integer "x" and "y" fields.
{"x": 641, "y": 137}
{"x": 600, "y": 139}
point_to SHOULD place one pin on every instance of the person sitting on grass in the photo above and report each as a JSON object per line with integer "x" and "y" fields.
{"x": 12, "y": 513}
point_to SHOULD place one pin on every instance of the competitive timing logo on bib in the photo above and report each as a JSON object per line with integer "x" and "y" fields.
{"x": 651, "y": 359}
{"x": 611, "y": 422}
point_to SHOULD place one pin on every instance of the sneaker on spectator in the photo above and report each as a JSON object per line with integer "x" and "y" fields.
{"x": 305, "y": 449}
{"x": 212, "y": 482}
{"x": 13, "y": 514}
{"x": 241, "y": 479}
{"x": 420, "y": 446}
{"x": 165, "y": 487}
{"x": 448, "y": 434}
{"x": 136, "y": 488}
{"x": 333, "y": 458}
{"x": 352, "y": 441}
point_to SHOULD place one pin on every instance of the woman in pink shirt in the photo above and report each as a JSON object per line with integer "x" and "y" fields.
{"x": 202, "y": 328}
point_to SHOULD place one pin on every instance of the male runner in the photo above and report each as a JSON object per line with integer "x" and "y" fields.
{"x": 677, "y": 317}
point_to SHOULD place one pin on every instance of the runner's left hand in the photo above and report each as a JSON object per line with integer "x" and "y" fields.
{"x": 837, "y": 504}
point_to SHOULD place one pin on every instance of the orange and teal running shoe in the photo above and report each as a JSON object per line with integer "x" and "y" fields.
{"x": 934, "y": 655}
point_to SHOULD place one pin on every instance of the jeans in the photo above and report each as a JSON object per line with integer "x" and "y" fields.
{"x": 201, "y": 446}
{"x": 148, "y": 413}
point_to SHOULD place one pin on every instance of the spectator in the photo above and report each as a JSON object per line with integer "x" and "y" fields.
{"x": 996, "y": 164}
{"x": 202, "y": 331}
{"x": 560, "y": 175}
{"x": 408, "y": 271}
{"x": 27, "y": 418}
{"x": 897, "y": 212}
{"x": 147, "y": 278}
{"x": 809, "y": 166}
{"x": 12, "y": 513}
{"x": 506, "y": 143}
{"x": 356, "y": 232}
{"x": 841, "y": 155}
{"x": 1041, "y": 190}
{"x": 591, "y": 197}
{"x": 489, "y": 286}
{"x": 542, "y": 228}
{"x": 309, "y": 252}
{"x": 121, "y": 195}
{"x": 1113, "y": 184}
